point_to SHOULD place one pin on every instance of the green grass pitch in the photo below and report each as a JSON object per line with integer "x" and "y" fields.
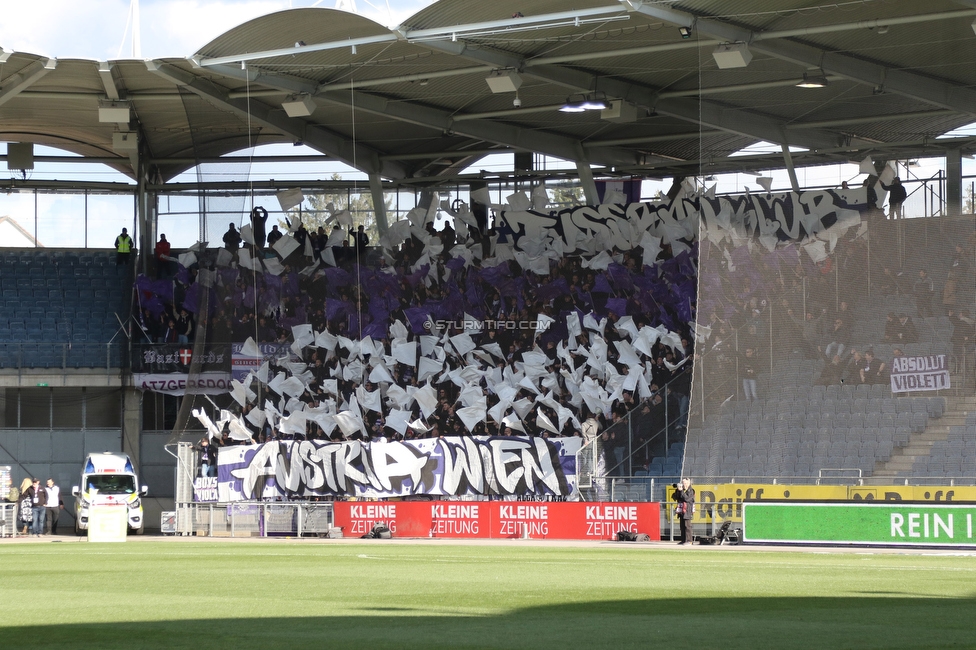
{"x": 377, "y": 594}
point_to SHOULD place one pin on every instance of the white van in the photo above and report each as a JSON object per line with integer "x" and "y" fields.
{"x": 109, "y": 478}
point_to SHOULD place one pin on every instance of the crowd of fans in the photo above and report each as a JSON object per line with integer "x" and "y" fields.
{"x": 430, "y": 279}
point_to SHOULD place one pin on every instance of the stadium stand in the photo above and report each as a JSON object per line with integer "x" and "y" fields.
{"x": 817, "y": 413}
{"x": 421, "y": 283}
{"x": 812, "y": 414}
{"x": 61, "y": 309}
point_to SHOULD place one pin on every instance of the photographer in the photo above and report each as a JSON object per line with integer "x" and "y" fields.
{"x": 684, "y": 494}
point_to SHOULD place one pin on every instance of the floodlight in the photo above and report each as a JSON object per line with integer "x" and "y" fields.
{"x": 504, "y": 81}
{"x": 125, "y": 142}
{"x": 574, "y": 104}
{"x": 732, "y": 55}
{"x": 580, "y": 103}
{"x": 619, "y": 111}
{"x": 302, "y": 106}
{"x": 595, "y": 102}
{"x": 813, "y": 81}
{"x": 114, "y": 112}
{"x": 685, "y": 32}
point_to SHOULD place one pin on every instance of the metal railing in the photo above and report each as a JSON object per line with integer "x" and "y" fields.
{"x": 671, "y": 525}
{"x": 8, "y": 519}
{"x": 25, "y": 355}
{"x": 254, "y": 519}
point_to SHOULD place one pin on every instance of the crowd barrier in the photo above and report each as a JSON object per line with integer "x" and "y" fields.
{"x": 8, "y": 519}
{"x": 59, "y": 355}
{"x": 254, "y": 519}
{"x": 443, "y": 519}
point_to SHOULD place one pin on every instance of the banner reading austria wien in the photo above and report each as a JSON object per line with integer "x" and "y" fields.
{"x": 452, "y": 466}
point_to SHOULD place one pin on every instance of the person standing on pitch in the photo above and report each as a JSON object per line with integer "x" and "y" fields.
{"x": 39, "y": 508}
{"x": 26, "y": 505}
{"x": 54, "y": 506}
{"x": 684, "y": 494}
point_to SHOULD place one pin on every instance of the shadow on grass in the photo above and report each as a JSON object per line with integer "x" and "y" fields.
{"x": 870, "y": 622}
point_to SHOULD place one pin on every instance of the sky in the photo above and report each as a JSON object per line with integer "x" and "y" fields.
{"x": 99, "y": 29}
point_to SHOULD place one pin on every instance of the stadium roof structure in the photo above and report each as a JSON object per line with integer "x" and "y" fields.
{"x": 686, "y": 82}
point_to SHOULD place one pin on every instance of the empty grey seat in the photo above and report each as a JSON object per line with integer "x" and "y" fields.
{"x": 901, "y": 436}
{"x": 919, "y": 421}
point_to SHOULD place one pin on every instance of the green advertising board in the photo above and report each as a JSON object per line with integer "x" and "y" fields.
{"x": 897, "y": 523}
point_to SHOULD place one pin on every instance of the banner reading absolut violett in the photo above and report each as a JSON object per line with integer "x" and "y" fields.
{"x": 919, "y": 373}
{"x": 436, "y": 466}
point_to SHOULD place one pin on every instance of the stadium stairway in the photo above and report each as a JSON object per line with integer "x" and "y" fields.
{"x": 913, "y": 459}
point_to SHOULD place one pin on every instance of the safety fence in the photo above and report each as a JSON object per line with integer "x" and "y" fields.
{"x": 60, "y": 355}
{"x": 8, "y": 519}
{"x": 254, "y": 519}
{"x": 316, "y": 519}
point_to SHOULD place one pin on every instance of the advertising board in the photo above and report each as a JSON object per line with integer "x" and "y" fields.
{"x": 499, "y": 519}
{"x": 860, "y": 523}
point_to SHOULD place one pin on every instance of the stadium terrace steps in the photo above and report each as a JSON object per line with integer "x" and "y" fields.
{"x": 913, "y": 458}
{"x": 847, "y": 426}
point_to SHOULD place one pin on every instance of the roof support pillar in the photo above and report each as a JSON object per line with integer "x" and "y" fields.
{"x": 379, "y": 203}
{"x": 145, "y": 226}
{"x": 954, "y": 182}
{"x": 788, "y": 160}
{"x": 586, "y": 180}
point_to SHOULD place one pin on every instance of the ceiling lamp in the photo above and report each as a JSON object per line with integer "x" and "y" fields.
{"x": 580, "y": 103}
{"x": 813, "y": 81}
{"x": 504, "y": 81}
{"x": 574, "y": 104}
{"x": 299, "y": 106}
{"x": 595, "y": 102}
{"x": 732, "y": 55}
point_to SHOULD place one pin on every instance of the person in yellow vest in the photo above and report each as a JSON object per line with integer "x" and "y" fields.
{"x": 123, "y": 248}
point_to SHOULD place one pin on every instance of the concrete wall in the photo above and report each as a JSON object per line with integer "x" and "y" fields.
{"x": 59, "y": 454}
{"x": 54, "y": 454}
{"x": 158, "y": 469}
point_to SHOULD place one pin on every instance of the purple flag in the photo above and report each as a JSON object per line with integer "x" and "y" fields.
{"x": 617, "y": 306}
{"x": 417, "y": 316}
